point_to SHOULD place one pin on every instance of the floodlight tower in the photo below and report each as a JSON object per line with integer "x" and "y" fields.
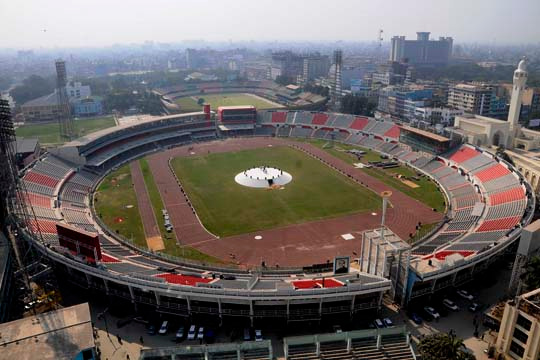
{"x": 64, "y": 111}
{"x": 335, "y": 96}
{"x": 385, "y": 196}
{"x": 379, "y": 47}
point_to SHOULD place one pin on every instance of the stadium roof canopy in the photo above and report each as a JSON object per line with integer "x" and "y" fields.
{"x": 424, "y": 133}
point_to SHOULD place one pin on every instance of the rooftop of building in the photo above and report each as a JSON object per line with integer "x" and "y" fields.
{"x": 46, "y": 100}
{"x": 26, "y": 145}
{"x": 236, "y": 107}
{"x": 530, "y": 303}
{"x": 59, "y": 334}
{"x": 483, "y": 120}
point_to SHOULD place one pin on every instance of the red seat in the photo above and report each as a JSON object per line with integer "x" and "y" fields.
{"x": 492, "y": 173}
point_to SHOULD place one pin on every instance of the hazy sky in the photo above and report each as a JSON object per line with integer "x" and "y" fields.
{"x": 50, "y": 23}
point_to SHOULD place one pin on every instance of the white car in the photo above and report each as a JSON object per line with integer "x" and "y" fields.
{"x": 164, "y": 328}
{"x": 464, "y": 294}
{"x": 192, "y": 332}
{"x": 432, "y": 312}
{"x": 200, "y": 334}
{"x": 450, "y": 305}
{"x": 258, "y": 335}
{"x": 378, "y": 323}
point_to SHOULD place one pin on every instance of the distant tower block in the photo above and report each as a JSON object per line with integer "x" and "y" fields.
{"x": 520, "y": 79}
{"x": 64, "y": 110}
{"x": 335, "y": 95}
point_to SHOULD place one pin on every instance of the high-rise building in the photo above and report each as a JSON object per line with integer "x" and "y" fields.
{"x": 288, "y": 64}
{"x": 520, "y": 325}
{"x": 476, "y": 99}
{"x": 401, "y": 102}
{"x": 315, "y": 66}
{"x": 422, "y": 50}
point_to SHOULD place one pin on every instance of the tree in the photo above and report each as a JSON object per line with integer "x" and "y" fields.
{"x": 284, "y": 80}
{"x": 32, "y": 87}
{"x": 443, "y": 346}
{"x": 200, "y": 101}
{"x": 357, "y": 105}
{"x": 532, "y": 276}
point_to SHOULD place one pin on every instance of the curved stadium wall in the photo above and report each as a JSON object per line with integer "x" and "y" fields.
{"x": 464, "y": 175}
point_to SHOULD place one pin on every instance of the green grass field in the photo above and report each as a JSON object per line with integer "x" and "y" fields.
{"x": 49, "y": 133}
{"x": 171, "y": 246}
{"x": 227, "y": 208}
{"x": 115, "y": 199}
{"x": 427, "y": 192}
{"x": 188, "y": 104}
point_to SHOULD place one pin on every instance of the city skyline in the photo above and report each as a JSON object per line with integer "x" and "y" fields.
{"x": 62, "y": 24}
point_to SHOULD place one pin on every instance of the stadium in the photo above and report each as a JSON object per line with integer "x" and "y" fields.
{"x": 263, "y": 94}
{"x": 329, "y": 263}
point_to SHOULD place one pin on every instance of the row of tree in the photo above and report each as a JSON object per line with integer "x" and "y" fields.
{"x": 474, "y": 72}
{"x": 357, "y": 105}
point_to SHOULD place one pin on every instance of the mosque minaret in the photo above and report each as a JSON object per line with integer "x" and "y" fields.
{"x": 520, "y": 79}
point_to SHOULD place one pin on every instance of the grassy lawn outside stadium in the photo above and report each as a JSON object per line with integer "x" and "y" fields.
{"x": 116, "y": 205}
{"x": 227, "y": 208}
{"x": 50, "y": 133}
{"x": 189, "y": 104}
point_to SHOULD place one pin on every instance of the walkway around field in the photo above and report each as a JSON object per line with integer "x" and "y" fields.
{"x": 148, "y": 217}
{"x": 297, "y": 244}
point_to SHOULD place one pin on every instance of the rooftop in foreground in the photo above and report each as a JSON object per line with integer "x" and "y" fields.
{"x": 60, "y": 334}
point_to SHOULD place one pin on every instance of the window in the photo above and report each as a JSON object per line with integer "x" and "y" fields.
{"x": 524, "y": 322}
{"x": 517, "y": 349}
{"x": 521, "y": 336}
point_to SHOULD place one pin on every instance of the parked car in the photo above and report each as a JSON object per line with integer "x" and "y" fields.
{"x": 337, "y": 329}
{"x": 151, "y": 330}
{"x": 464, "y": 294}
{"x": 433, "y": 314}
{"x": 180, "y": 333}
{"x": 474, "y": 307}
{"x": 449, "y": 304}
{"x": 387, "y": 322}
{"x": 378, "y": 323}
{"x": 416, "y": 318}
{"x": 164, "y": 328}
{"x": 258, "y": 335}
{"x": 192, "y": 332}
{"x": 210, "y": 337}
{"x": 200, "y": 334}
{"x": 247, "y": 334}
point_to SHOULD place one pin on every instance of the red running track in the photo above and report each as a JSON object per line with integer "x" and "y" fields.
{"x": 293, "y": 245}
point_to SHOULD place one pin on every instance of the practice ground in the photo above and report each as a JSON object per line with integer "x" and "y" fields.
{"x": 227, "y": 208}
{"x": 49, "y": 133}
{"x": 426, "y": 192}
{"x": 189, "y": 104}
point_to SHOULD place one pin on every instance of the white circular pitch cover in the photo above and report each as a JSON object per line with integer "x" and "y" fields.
{"x": 263, "y": 177}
